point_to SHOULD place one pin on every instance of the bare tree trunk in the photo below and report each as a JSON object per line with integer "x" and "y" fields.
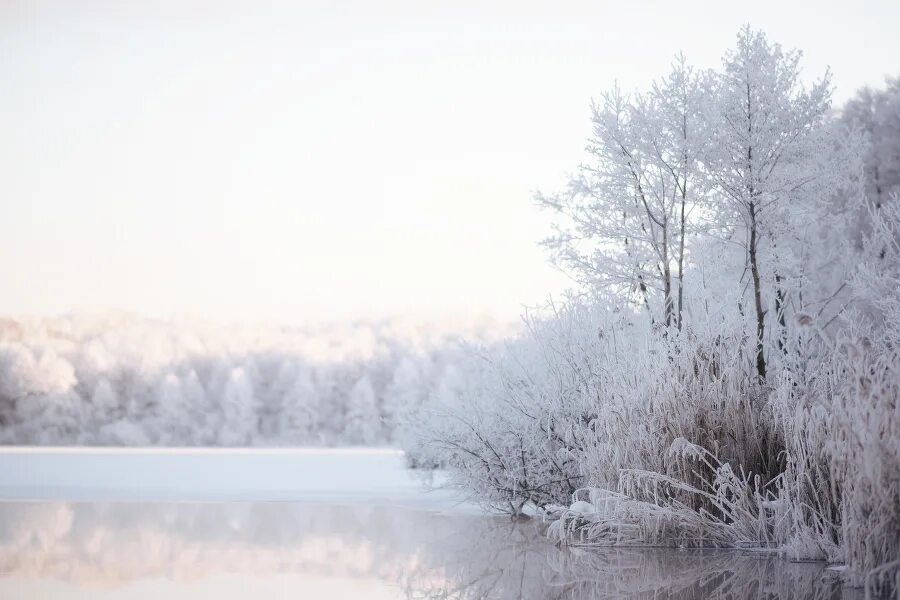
{"x": 751, "y": 250}
{"x": 642, "y": 286}
{"x": 667, "y": 278}
{"x": 643, "y": 289}
{"x": 877, "y": 187}
{"x": 779, "y": 312}
{"x": 681, "y": 232}
{"x": 757, "y": 296}
{"x": 667, "y": 290}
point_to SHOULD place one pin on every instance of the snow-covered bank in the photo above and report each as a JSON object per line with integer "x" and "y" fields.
{"x": 345, "y": 475}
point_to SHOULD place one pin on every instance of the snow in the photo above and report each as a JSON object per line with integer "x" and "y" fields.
{"x": 345, "y": 475}
{"x": 583, "y": 508}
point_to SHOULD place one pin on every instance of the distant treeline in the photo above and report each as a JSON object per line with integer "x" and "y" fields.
{"x": 122, "y": 380}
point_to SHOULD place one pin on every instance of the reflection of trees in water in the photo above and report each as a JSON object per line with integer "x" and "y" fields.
{"x": 425, "y": 555}
{"x": 689, "y": 575}
{"x": 118, "y": 542}
{"x": 503, "y": 560}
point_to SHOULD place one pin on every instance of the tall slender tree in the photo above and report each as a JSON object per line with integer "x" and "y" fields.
{"x": 765, "y": 124}
{"x": 626, "y": 216}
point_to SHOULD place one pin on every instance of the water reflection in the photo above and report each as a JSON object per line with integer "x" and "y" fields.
{"x": 415, "y": 554}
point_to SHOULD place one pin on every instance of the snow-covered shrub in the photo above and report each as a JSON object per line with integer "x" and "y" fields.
{"x": 512, "y": 423}
{"x": 593, "y": 398}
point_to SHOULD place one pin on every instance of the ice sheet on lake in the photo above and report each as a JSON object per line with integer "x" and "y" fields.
{"x": 191, "y": 474}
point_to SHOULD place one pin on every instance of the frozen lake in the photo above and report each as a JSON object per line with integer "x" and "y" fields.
{"x": 346, "y": 475}
{"x": 315, "y": 523}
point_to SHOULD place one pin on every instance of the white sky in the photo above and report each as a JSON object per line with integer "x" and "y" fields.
{"x": 308, "y": 161}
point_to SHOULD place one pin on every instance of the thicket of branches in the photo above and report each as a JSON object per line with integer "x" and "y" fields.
{"x": 728, "y": 374}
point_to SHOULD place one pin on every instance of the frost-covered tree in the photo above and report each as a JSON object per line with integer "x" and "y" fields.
{"x": 362, "y": 424}
{"x": 175, "y": 413}
{"x": 628, "y": 214}
{"x": 300, "y": 410}
{"x": 16, "y": 364}
{"x": 877, "y": 114}
{"x": 36, "y": 387}
{"x": 406, "y": 391}
{"x": 199, "y": 407}
{"x": 239, "y": 410}
{"x": 26, "y": 373}
{"x": 105, "y": 402}
{"x": 761, "y": 158}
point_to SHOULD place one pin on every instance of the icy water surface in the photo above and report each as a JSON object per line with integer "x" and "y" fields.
{"x": 303, "y": 550}
{"x": 328, "y": 538}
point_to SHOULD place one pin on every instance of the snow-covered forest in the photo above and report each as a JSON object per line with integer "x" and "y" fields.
{"x": 727, "y": 373}
{"x": 116, "y": 379}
